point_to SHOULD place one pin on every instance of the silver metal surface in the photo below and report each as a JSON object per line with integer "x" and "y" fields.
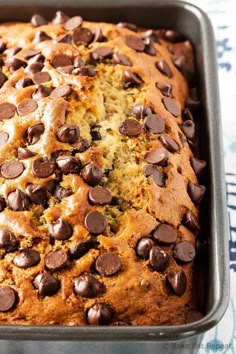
{"x": 192, "y": 22}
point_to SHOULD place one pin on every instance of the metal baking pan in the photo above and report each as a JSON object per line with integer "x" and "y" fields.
{"x": 192, "y": 22}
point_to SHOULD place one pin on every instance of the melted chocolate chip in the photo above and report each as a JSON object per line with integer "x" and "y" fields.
{"x": 108, "y": 264}
{"x": 27, "y": 106}
{"x": 198, "y": 166}
{"x": 60, "y": 230}
{"x": 101, "y": 53}
{"x": 62, "y": 192}
{"x": 33, "y": 133}
{"x": 23, "y": 153}
{"x": 8, "y": 298}
{"x": 42, "y": 92}
{"x": 184, "y": 252}
{"x": 166, "y": 89}
{"x": 38, "y": 20}
{"x": 177, "y": 281}
{"x": 56, "y": 260}
{"x": 12, "y": 169}
{"x": 18, "y": 200}
{"x": 3, "y": 138}
{"x": 99, "y": 195}
{"x": 154, "y": 124}
{"x": 68, "y": 164}
{"x": 3, "y": 78}
{"x": 165, "y": 234}
{"x": 140, "y": 111}
{"x": 61, "y": 91}
{"x": 158, "y": 259}
{"x": 26, "y": 258}
{"x": 131, "y": 79}
{"x": 7, "y": 110}
{"x": 46, "y": 284}
{"x": 164, "y": 68}
{"x": 130, "y": 127}
{"x": 88, "y": 286}
{"x": 73, "y": 23}
{"x": 157, "y": 156}
{"x": 8, "y": 240}
{"x": 144, "y": 247}
{"x": 59, "y": 18}
{"x": 38, "y": 194}
{"x": 23, "y": 82}
{"x": 169, "y": 143}
{"x": 95, "y": 222}
{"x": 121, "y": 59}
{"x": 196, "y": 192}
{"x": 81, "y": 248}
{"x": 92, "y": 174}
{"x": 99, "y": 314}
{"x": 135, "y": 43}
{"x": 82, "y": 35}
{"x": 157, "y": 176}
{"x": 43, "y": 167}
{"x": 61, "y": 60}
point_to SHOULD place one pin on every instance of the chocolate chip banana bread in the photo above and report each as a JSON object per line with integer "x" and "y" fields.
{"x": 99, "y": 186}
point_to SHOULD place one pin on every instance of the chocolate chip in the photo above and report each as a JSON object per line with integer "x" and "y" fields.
{"x": 23, "y": 82}
{"x": 2, "y": 203}
{"x": 8, "y": 240}
{"x": 95, "y": 134}
{"x": 78, "y": 62}
{"x": 38, "y": 20}
{"x": 187, "y": 115}
{"x": 101, "y": 53}
{"x": 38, "y": 194}
{"x": 169, "y": 143}
{"x": 2, "y": 46}
{"x": 128, "y": 25}
{"x": 144, "y": 246}
{"x": 173, "y": 36}
{"x": 140, "y": 111}
{"x": 39, "y": 58}
{"x": 108, "y": 264}
{"x": 26, "y": 258}
{"x": 198, "y": 166}
{"x": 184, "y": 66}
{"x": 149, "y": 46}
{"x": 61, "y": 60}
{"x": 164, "y": 68}
{"x": 33, "y": 133}
{"x": 99, "y": 314}
{"x": 3, "y": 78}
{"x": 98, "y": 35}
{"x": 56, "y": 260}
{"x": 27, "y": 106}
{"x": 60, "y": 230}
{"x": 193, "y": 316}
{"x": 12, "y": 169}
{"x": 188, "y": 128}
{"x": 85, "y": 71}
{"x": 43, "y": 167}
{"x": 66, "y": 69}
{"x": 68, "y": 133}
{"x": 34, "y": 68}
{"x": 192, "y": 104}
{"x": 7, "y": 110}
{"x": 184, "y": 252}
{"x": 95, "y": 222}
{"x": 29, "y": 53}
{"x": 23, "y": 153}
{"x": 99, "y": 195}
{"x": 121, "y": 59}
{"x": 157, "y": 156}
{"x": 157, "y": 176}
{"x": 152, "y": 34}
{"x": 171, "y": 106}
{"x": 8, "y": 298}
{"x": 92, "y": 174}
{"x": 166, "y": 89}
{"x": 154, "y": 124}
{"x": 131, "y": 79}
{"x": 135, "y": 43}
{"x": 196, "y": 192}
{"x": 12, "y": 51}
{"x": 130, "y": 127}
{"x": 82, "y": 35}
{"x": 42, "y": 92}
{"x": 158, "y": 259}
{"x": 68, "y": 164}
{"x": 165, "y": 234}
{"x": 3, "y": 138}
{"x": 41, "y": 77}
{"x": 81, "y": 248}
{"x": 177, "y": 281}
{"x": 73, "y": 23}
{"x": 84, "y": 145}
{"x": 59, "y": 18}
{"x": 190, "y": 221}
{"x": 88, "y": 286}
{"x": 66, "y": 38}
{"x": 62, "y": 192}
{"x": 14, "y": 64}
{"x": 61, "y": 91}
{"x": 18, "y": 201}
{"x": 41, "y": 36}
{"x": 46, "y": 284}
